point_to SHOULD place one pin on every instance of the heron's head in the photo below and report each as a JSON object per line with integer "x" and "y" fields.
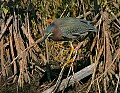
{"x": 49, "y": 29}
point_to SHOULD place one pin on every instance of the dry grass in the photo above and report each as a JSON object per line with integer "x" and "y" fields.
{"x": 23, "y": 58}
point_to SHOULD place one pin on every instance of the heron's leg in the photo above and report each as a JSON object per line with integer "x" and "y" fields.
{"x": 61, "y": 73}
{"x": 69, "y": 57}
{"x": 72, "y": 50}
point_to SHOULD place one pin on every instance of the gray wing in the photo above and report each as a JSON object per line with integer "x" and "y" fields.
{"x": 72, "y": 27}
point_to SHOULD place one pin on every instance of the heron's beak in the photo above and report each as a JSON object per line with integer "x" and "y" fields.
{"x": 46, "y": 36}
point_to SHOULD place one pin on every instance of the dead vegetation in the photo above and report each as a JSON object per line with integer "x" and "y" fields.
{"x": 23, "y": 57}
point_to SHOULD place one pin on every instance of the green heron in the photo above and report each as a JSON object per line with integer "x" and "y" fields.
{"x": 68, "y": 29}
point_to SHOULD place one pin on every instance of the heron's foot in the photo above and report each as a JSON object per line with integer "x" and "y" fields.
{"x": 69, "y": 61}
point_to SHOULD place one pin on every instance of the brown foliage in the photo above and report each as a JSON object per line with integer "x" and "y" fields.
{"x": 22, "y": 57}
